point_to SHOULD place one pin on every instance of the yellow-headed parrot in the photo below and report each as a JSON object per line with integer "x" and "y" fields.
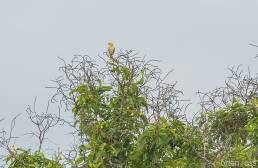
{"x": 111, "y": 50}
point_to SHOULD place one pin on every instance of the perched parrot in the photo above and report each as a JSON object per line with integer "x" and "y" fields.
{"x": 111, "y": 50}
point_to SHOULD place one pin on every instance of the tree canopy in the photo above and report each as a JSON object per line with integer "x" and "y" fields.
{"x": 126, "y": 115}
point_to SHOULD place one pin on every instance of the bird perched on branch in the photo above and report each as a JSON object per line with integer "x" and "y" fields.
{"x": 111, "y": 50}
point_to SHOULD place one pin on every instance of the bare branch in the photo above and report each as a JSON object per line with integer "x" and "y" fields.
{"x": 43, "y": 122}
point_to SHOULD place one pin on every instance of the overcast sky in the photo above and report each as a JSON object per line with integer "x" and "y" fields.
{"x": 197, "y": 38}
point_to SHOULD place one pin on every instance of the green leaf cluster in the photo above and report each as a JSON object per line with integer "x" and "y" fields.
{"x": 20, "y": 158}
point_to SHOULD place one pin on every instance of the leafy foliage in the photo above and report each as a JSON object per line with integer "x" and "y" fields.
{"x": 231, "y": 134}
{"x": 20, "y": 158}
{"x": 126, "y": 116}
{"x": 166, "y": 144}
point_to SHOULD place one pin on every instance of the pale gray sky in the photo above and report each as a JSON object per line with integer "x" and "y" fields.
{"x": 197, "y": 38}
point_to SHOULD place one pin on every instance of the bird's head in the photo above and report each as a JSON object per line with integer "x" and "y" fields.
{"x": 110, "y": 44}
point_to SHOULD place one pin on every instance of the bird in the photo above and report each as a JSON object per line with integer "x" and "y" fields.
{"x": 111, "y": 50}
